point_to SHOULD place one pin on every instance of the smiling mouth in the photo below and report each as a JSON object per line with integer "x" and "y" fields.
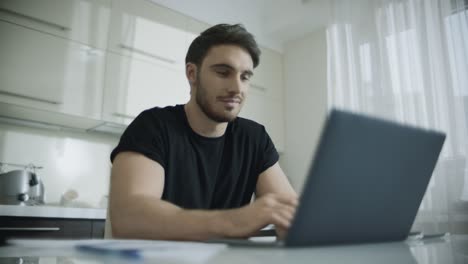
{"x": 230, "y": 103}
{"x": 230, "y": 100}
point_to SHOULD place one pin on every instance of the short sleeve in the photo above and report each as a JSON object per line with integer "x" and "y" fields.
{"x": 145, "y": 136}
{"x": 268, "y": 155}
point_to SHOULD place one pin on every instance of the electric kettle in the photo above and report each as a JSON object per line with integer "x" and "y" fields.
{"x": 21, "y": 187}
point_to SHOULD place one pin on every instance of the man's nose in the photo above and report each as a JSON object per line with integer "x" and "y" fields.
{"x": 236, "y": 85}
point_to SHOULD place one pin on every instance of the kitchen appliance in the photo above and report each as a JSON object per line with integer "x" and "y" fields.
{"x": 21, "y": 187}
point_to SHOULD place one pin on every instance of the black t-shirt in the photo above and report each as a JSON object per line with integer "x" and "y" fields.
{"x": 201, "y": 172}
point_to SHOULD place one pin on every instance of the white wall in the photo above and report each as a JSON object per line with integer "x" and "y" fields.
{"x": 71, "y": 160}
{"x": 305, "y": 75}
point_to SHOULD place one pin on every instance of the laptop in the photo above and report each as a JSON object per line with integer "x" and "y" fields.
{"x": 365, "y": 184}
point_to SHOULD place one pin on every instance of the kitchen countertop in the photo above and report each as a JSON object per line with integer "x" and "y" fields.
{"x": 50, "y": 211}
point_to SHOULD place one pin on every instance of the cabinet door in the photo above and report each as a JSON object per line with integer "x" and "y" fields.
{"x": 146, "y": 31}
{"x": 49, "y": 73}
{"x": 83, "y": 21}
{"x": 98, "y": 229}
{"x": 29, "y": 227}
{"x": 33, "y": 227}
{"x": 23, "y": 58}
{"x": 146, "y": 59}
{"x": 133, "y": 85}
{"x": 76, "y": 228}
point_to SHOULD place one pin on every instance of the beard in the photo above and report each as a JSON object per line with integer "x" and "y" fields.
{"x": 201, "y": 98}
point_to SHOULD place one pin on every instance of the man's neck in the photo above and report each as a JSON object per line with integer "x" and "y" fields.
{"x": 202, "y": 124}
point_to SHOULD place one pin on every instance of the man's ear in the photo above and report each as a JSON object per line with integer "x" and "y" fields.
{"x": 191, "y": 73}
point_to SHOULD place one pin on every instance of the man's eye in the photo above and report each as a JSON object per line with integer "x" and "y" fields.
{"x": 245, "y": 77}
{"x": 222, "y": 73}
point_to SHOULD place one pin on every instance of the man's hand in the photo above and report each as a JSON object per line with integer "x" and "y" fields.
{"x": 276, "y": 209}
{"x": 273, "y": 180}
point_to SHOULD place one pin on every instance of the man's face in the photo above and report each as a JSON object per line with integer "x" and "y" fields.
{"x": 222, "y": 82}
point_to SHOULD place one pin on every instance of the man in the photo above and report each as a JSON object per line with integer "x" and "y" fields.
{"x": 188, "y": 172}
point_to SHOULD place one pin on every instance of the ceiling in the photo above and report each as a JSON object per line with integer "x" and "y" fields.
{"x": 273, "y": 22}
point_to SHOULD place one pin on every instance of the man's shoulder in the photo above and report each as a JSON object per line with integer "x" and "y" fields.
{"x": 248, "y": 126}
{"x": 161, "y": 113}
{"x": 245, "y": 122}
{"x": 157, "y": 119}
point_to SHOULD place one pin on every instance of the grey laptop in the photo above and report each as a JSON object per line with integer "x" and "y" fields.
{"x": 365, "y": 183}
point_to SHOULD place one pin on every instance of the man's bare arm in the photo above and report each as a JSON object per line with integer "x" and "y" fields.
{"x": 137, "y": 211}
{"x": 274, "y": 181}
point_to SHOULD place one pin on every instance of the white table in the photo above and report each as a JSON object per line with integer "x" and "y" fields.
{"x": 450, "y": 250}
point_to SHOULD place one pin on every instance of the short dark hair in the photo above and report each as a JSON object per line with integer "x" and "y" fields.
{"x": 222, "y": 34}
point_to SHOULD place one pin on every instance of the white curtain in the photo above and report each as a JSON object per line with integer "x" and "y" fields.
{"x": 407, "y": 60}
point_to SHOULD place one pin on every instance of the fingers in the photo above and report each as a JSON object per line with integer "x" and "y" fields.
{"x": 279, "y": 209}
{"x": 289, "y": 199}
{"x": 282, "y": 216}
{"x": 280, "y": 232}
{"x": 287, "y": 212}
{"x": 276, "y": 209}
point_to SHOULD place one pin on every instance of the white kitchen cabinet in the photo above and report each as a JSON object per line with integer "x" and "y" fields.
{"x": 44, "y": 72}
{"x": 80, "y": 58}
{"x": 143, "y": 30}
{"x": 84, "y": 21}
{"x": 194, "y": 28}
{"x": 146, "y": 60}
{"x": 133, "y": 85}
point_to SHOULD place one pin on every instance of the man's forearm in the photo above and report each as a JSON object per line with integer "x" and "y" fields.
{"x": 151, "y": 218}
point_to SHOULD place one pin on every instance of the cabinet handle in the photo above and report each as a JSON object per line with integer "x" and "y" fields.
{"x": 148, "y": 54}
{"x": 39, "y": 229}
{"x": 258, "y": 87}
{"x": 123, "y": 115}
{"x": 29, "y": 97}
{"x": 37, "y": 20}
